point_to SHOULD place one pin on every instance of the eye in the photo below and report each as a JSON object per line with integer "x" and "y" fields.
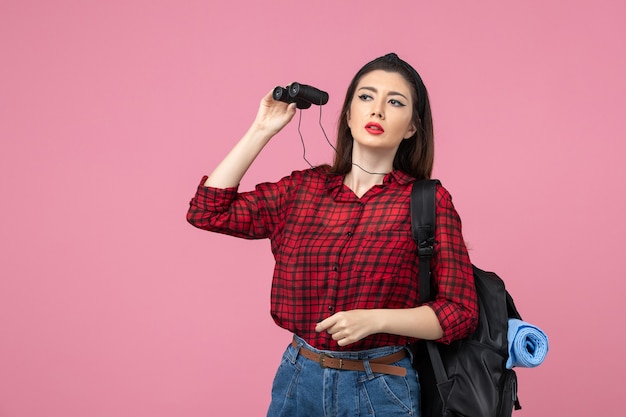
{"x": 365, "y": 97}
{"x": 396, "y": 103}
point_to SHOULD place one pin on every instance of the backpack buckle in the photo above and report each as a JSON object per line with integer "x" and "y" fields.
{"x": 426, "y": 248}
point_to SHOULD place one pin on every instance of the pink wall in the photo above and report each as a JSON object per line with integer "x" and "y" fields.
{"x": 110, "y": 112}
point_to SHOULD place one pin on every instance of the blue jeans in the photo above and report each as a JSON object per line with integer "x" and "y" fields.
{"x": 302, "y": 388}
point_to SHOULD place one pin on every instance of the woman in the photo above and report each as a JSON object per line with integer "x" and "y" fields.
{"x": 345, "y": 281}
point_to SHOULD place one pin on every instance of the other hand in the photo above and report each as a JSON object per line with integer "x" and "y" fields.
{"x": 349, "y": 326}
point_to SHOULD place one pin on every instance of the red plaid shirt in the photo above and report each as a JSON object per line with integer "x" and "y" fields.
{"x": 337, "y": 252}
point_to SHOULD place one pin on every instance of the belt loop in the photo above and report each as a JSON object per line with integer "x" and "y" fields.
{"x": 368, "y": 369}
{"x": 294, "y": 350}
{"x": 409, "y": 352}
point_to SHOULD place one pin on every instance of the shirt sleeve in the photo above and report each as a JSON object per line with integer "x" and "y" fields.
{"x": 251, "y": 215}
{"x": 456, "y": 303}
{"x": 224, "y": 210}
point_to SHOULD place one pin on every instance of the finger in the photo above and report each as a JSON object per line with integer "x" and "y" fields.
{"x": 343, "y": 338}
{"x": 326, "y": 324}
{"x": 339, "y": 335}
{"x": 321, "y": 326}
{"x": 344, "y": 342}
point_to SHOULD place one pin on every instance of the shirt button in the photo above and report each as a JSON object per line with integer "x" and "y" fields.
{"x": 335, "y": 268}
{"x": 331, "y": 308}
{"x": 349, "y": 234}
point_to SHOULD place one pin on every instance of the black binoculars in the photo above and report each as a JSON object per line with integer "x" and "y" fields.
{"x": 301, "y": 94}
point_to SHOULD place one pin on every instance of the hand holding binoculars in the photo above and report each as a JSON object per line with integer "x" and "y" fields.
{"x": 301, "y": 94}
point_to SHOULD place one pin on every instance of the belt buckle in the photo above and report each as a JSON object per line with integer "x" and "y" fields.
{"x": 322, "y": 360}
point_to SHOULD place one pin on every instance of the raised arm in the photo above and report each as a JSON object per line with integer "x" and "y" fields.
{"x": 271, "y": 117}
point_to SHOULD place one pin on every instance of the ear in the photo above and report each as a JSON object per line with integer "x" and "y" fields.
{"x": 410, "y": 131}
{"x": 348, "y": 118}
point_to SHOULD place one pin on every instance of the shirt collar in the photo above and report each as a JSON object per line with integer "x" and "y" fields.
{"x": 335, "y": 181}
{"x": 400, "y": 177}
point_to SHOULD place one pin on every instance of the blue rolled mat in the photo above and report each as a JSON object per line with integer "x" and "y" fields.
{"x": 528, "y": 345}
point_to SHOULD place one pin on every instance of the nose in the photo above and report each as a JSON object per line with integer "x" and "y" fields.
{"x": 377, "y": 110}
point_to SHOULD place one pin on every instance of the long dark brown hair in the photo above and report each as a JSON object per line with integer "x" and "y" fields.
{"x": 415, "y": 155}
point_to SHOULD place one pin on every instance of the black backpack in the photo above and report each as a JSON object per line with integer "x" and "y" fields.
{"x": 467, "y": 377}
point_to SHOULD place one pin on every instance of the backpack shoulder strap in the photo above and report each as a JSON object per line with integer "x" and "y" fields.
{"x": 423, "y": 220}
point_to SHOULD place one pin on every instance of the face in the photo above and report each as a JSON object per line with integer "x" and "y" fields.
{"x": 381, "y": 110}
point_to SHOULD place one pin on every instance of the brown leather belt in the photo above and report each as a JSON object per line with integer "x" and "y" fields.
{"x": 379, "y": 365}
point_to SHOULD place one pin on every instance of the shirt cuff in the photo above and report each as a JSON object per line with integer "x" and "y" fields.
{"x": 213, "y": 199}
{"x": 449, "y": 319}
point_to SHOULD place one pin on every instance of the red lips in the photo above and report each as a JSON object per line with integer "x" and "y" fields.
{"x": 374, "y": 128}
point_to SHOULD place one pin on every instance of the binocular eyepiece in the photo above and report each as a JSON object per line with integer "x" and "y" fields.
{"x": 301, "y": 94}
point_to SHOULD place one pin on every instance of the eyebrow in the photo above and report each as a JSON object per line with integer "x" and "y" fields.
{"x": 391, "y": 93}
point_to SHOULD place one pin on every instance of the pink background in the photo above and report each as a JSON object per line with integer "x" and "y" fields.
{"x": 110, "y": 112}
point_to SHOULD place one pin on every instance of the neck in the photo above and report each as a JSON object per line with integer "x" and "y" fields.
{"x": 372, "y": 162}
{"x": 360, "y": 181}
{"x": 368, "y": 168}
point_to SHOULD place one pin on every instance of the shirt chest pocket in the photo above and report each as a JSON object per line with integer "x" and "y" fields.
{"x": 385, "y": 253}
